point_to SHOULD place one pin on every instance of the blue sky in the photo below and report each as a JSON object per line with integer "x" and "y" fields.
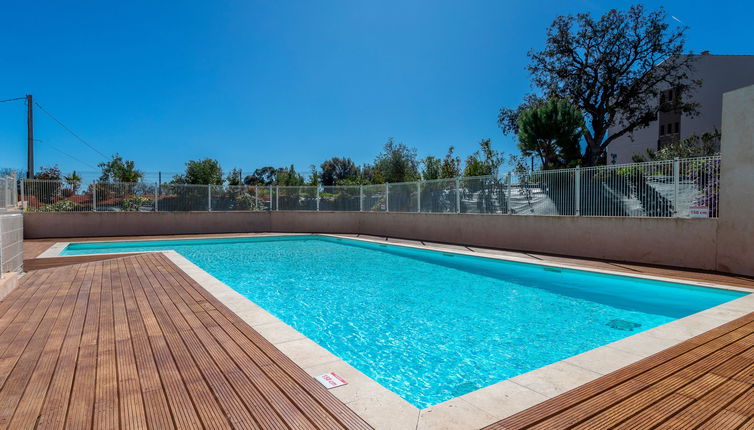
{"x": 255, "y": 83}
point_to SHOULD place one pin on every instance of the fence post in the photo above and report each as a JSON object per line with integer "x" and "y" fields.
{"x": 577, "y": 190}
{"x": 458, "y": 195}
{"x": 676, "y": 183}
{"x": 23, "y": 198}
{"x": 419, "y": 196}
{"x": 277, "y": 198}
{"x": 508, "y": 193}
{"x": 256, "y": 197}
{"x": 387, "y": 197}
{"x": 361, "y": 198}
{"x": 94, "y": 196}
{"x": 270, "y": 197}
{"x": 209, "y": 198}
{"x": 156, "y": 196}
{"x": 317, "y": 187}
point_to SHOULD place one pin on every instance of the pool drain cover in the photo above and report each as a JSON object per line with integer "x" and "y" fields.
{"x": 623, "y": 325}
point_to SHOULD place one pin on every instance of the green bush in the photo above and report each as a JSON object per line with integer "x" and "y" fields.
{"x": 61, "y": 206}
{"x": 246, "y": 202}
{"x": 133, "y": 203}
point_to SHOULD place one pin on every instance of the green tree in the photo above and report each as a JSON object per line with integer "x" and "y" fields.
{"x": 451, "y": 165}
{"x": 207, "y": 171}
{"x": 692, "y": 146}
{"x": 49, "y": 173}
{"x": 73, "y": 180}
{"x": 432, "y": 168}
{"x": 313, "y": 176}
{"x": 234, "y": 177}
{"x": 263, "y": 176}
{"x": 119, "y": 170}
{"x": 485, "y": 161}
{"x": 507, "y": 118}
{"x": 288, "y": 177}
{"x": 396, "y": 163}
{"x": 337, "y": 170}
{"x": 613, "y": 68}
{"x": 551, "y": 131}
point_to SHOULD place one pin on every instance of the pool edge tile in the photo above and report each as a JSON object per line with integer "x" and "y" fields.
{"x": 456, "y": 414}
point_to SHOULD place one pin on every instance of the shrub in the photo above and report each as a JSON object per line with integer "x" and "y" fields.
{"x": 61, "y": 206}
{"x": 246, "y": 202}
{"x": 133, "y": 203}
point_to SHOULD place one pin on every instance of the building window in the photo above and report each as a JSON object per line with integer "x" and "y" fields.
{"x": 662, "y": 130}
{"x": 677, "y": 127}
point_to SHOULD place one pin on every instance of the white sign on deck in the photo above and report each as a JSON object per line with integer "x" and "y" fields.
{"x": 699, "y": 212}
{"x": 331, "y": 380}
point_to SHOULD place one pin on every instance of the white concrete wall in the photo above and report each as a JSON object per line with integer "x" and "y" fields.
{"x": 735, "y": 246}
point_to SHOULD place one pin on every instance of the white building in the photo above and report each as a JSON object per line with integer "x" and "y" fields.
{"x": 719, "y": 74}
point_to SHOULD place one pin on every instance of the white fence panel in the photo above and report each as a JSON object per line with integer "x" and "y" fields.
{"x": 672, "y": 188}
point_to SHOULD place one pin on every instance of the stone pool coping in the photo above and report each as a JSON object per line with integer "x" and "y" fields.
{"x": 382, "y": 408}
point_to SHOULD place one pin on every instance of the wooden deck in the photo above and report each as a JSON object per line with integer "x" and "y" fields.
{"x": 133, "y": 342}
{"x": 706, "y": 382}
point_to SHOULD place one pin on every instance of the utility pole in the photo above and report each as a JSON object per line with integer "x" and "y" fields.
{"x": 30, "y": 137}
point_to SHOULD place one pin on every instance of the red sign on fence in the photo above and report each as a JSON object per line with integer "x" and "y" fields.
{"x": 699, "y": 212}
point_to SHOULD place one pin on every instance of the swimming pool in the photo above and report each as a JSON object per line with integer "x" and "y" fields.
{"x": 432, "y": 325}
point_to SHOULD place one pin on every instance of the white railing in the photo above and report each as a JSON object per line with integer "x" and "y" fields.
{"x": 8, "y": 192}
{"x": 11, "y": 242}
{"x": 674, "y": 188}
{"x": 11, "y": 226}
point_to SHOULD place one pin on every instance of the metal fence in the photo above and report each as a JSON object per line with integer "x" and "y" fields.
{"x": 674, "y": 188}
{"x": 8, "y": 192}
{"x": 11, "y": 242}
{"x": 11, "y": 226}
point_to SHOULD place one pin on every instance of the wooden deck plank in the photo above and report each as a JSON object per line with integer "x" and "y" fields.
{"x": 154, "y": 389}
{"x": 681, "y": 387}
{"x": 199, "y": 367}
{"x": 33, "y": 397}
{"x": 256, "y": 404}
{"x": 181, "y": 404}
{"x": 580, "y": 404}
{"x": 19, "y": 296}
{"x": 278, "y": 402}
{"x": 20, "y": 331}
{"x": 31, "y": 372}
{"x": 55, "y": 408}
{"x": 129, "y": 343}
{"x": 81, "y": 403}
{"x": 106, "y": 404}
{"x": 50, "y": 262}
{"x": 23, "y": 301}
{"x": 132, "y": 410}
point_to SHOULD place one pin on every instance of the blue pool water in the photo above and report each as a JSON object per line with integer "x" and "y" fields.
{"x": 430, "y": 325}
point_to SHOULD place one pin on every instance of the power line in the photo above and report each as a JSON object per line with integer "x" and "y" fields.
{"x": 71, "y": 131}
{"x": 72, "y": 157}
{"x": 10, "y": 100}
